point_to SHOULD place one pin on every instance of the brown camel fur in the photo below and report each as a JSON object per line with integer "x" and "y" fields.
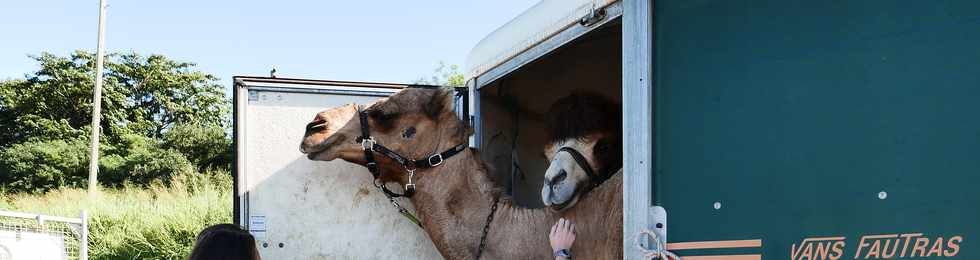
{"x": 598, "y": 139}
{"x": 454, "y": 199}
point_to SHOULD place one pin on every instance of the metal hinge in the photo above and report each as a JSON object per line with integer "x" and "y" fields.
{"x": 658, "y": 222}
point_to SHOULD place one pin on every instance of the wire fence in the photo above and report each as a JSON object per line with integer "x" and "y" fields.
{"x": 33, "y": 236}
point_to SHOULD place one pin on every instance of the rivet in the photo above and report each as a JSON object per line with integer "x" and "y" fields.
{"x": 281, "y": 245}
{"x": 882, "y": 195}
{"x": 717, "y": 205}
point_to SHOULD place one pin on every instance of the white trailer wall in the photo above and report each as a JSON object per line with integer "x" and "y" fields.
{"x": 312, "y": 209}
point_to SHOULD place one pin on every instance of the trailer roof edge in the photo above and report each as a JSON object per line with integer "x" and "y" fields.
{"x": 247, "y": 79}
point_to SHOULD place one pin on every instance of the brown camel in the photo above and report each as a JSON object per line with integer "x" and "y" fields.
{"x": 597, "y": 142}
{"x": 454, "y": 199}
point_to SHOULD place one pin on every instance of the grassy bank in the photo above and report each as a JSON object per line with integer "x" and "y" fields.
{"x": 155, "y": 222}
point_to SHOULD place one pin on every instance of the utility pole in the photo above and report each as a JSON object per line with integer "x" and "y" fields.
{"x": 93, "y": 166}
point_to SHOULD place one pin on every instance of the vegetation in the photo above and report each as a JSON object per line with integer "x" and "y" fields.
{"x": 444, "y": 75}
{"x": 153, "y": 222}
{"x": 161, "y": 118}
{"x": 165, "y": 150}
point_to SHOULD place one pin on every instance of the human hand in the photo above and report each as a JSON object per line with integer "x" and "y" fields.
{"x": 562, "y": 235}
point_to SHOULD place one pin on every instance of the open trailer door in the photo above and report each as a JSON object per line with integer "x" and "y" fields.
{"x": 805, "y": 129}
{"x": 286, "y": 200}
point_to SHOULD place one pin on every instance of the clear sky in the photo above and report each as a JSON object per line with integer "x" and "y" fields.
{"x": 386, "y": 41}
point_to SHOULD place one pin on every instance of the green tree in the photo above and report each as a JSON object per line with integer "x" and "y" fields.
{"x": 444, "y": 75}
{"x": 144, "y": 98}
{"x": 42, "y": 165}
{"x": 203, "y": 145}
{"x": 142, "y": 160}
{"x": 141, "y": 95}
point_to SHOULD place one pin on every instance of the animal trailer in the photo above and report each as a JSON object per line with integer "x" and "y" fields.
{"x": 802, "y": 130}
{"x": 757, "y": 129}
{"x": 302, "y": 209}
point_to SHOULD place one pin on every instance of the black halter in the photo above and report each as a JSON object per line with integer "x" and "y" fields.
{"x": 596, "y": 179}
{"x": 369, "y": 145}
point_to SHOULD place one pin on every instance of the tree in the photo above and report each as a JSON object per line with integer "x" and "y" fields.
{"x": 45, "y": 116}
{"x": 43, "y": 165}
{"x": 444, "y": 75}
{"x": 141, "y": 95}
{"x": 204, "y": 146}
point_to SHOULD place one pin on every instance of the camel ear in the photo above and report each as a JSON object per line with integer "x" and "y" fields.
{"x": 609, "y": 152}
{"x": 440, "y": 100}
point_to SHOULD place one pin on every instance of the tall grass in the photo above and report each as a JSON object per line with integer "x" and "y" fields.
{"x": 155, "y": 222}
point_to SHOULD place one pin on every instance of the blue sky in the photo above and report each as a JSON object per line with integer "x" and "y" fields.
{"x": 386, "y": 41}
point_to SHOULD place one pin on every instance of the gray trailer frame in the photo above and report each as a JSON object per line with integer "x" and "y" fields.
{"x": 637, "y": 93}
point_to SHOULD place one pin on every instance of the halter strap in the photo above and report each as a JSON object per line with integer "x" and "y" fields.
{"x": 366, "y": 139}
{"x": 369, "y": 145}
{"x": 584, "y": 164}
{"x": 429, "y": 162}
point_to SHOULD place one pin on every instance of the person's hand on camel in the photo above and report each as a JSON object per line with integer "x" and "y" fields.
{"x": 562, "y": 236}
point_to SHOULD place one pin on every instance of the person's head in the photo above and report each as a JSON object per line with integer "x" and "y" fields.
{"x": 224, "y": 242}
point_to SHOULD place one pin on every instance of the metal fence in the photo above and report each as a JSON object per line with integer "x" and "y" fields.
{"x": 34, "y": 236}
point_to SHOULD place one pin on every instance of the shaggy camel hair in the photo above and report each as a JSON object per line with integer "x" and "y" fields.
{"x": 454, "y": 199}
{"x": 599, "y": 140}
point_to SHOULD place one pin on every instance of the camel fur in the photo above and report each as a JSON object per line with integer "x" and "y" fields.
{"x": 453, "y": 200}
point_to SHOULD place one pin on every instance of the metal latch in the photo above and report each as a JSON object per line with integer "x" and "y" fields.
{"x": 651, "y": 240}
{"x": 595, "y": 15}
{"x": 658, "y": 222}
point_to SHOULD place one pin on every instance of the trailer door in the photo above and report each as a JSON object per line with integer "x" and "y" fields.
{"x": 818, "y": 129}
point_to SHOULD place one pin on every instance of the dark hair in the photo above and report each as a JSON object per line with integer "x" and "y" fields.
{"x": 224, "y": 242}
{"x": 580, "y": 114}
{"x": 584, "y": 113}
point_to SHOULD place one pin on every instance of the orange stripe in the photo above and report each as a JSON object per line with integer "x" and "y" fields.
{"x": 723, "y": 257}
{"x": 714, "y": 244}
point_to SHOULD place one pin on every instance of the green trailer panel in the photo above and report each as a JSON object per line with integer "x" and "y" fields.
{"x": 818, "y": 129}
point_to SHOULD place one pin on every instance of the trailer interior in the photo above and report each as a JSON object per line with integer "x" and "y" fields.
{"x": 512, "y": 108}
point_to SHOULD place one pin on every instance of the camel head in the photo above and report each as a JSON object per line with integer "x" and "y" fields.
{"x": 414, "y": 122}
{"x": 590, "y": 125}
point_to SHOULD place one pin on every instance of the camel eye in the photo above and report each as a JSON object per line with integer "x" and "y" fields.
{"x": 385, "y": 120}
{"x": 381, "y": 115}
{"x": 409, "y": 133}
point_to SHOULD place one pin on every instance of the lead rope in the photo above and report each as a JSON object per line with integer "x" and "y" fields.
{"x": 486, "y": 228}
{"x": 407, "y": 214}
{"x": 411, "y": 174}
{"x": 660, "y": 249}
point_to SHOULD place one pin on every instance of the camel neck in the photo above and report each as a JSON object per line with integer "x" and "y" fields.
{"x": 449, "y": 202}
{"x": 454, "y": 200}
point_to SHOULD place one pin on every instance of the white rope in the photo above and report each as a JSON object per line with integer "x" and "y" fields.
{"x": 659, "y": 250}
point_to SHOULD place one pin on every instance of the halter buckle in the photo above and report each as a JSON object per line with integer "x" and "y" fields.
{"x": 435, "y": 156}
{"x": 368, "y": 143}
{"x": 410, "y": 187}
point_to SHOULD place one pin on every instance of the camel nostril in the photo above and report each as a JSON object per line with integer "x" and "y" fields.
{"x": 560, "y": 177}
{"x": 315, "y": 125}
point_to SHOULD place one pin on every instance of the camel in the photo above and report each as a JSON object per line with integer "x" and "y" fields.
{"x": 454, "y": 199}
{"x": 583, "y": 153}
